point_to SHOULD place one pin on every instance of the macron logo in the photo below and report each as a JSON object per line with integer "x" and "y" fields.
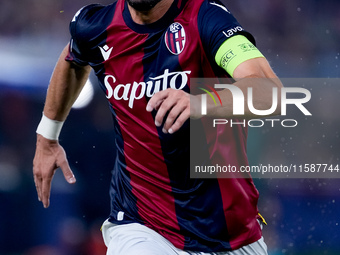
{"x": 106, "y": 51}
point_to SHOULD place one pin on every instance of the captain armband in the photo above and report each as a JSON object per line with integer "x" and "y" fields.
{"x": 235, "y": 51}
{"x": 50, "y": 129}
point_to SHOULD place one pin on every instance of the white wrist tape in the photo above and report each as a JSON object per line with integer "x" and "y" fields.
{"x": 50, "y": 129}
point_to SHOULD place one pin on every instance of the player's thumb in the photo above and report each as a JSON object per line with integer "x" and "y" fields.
{"x": 68, "y": 174}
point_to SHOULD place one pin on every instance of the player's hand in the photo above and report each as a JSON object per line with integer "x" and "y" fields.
{"x": 49, "y": 156}
{"x": 174, "y": 102}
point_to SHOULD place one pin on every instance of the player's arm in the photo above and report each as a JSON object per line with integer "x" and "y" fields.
{"x": 248, "y": 68}
{"x": 222, "y": 37}
{"x": 245, "y": 63}
{"x": 66, "y": 83}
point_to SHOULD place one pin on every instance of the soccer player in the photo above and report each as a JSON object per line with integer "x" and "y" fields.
{"x": 144, "y": 53}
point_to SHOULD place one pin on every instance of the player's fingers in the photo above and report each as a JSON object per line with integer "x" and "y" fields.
{"x": 68, "y": 174}
{"x": 175, "y": 112}
{"x": 156, "y": 100}
{"x": 37, "y": 182}
{"x": 180, "y": 121}
{"x": 179, "y": 113}
{"x": 158, "y": 104}
{"x": 46, "y": 190}
{"x": 165, "y": 107}
{"x": 37, "y": 177}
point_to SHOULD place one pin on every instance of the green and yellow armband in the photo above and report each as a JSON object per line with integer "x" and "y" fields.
{"x": 235, "y": 51}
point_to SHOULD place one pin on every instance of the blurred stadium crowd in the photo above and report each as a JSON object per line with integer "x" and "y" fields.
{"x": 300, "y": 39}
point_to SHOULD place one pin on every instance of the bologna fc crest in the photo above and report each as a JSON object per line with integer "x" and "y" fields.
{"x": 175, "y": 38}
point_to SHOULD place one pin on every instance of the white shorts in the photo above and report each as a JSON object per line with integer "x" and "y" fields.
{"x": 137, "y": 239}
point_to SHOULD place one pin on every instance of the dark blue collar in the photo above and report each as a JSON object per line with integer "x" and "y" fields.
{"x": 159, "y": 25}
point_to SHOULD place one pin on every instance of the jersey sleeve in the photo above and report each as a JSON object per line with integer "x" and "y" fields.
{"x": 79, "y": 27}
{"x": 216, "y": 24}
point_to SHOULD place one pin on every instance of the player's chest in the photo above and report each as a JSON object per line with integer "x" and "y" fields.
{"x": 136, "y": 66}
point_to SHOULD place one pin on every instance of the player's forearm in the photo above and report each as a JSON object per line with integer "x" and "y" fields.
{"x": 254, "y": 76}
{"x": 66, "y": 83}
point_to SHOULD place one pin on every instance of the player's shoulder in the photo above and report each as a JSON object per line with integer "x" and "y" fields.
{"x": 91, "y": 18}
{"x": 86, "y": 12}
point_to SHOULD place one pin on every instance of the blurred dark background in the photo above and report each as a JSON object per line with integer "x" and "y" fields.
{"x": 300, "y": 39}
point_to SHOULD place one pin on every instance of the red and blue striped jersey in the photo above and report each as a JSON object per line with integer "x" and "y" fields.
{"x": 151, "y": 181}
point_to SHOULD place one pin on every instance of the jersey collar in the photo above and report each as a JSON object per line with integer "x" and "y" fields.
{"x": 159, "y": 25}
